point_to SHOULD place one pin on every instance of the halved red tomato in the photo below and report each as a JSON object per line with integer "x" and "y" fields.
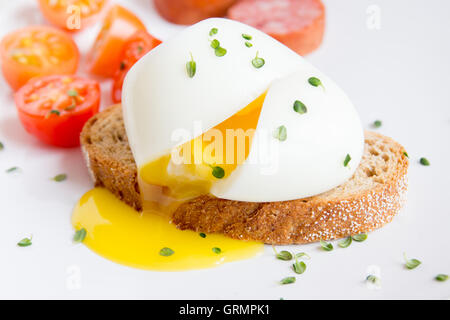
{"x": 55, "y": 108}
{"x": 72, "y": 15}
{"x": 119, "y": 25}
{"x": 37, "y": 51}
{"x": 135, "y": 48}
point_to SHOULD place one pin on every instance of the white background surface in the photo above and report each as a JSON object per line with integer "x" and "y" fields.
{"x": 399, "y": 73}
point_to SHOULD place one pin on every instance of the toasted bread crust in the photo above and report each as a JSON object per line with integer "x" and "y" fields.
{"x": 108, "y": 155}
{"x": 288, "y": 222}
{"x": 296, "y": 221}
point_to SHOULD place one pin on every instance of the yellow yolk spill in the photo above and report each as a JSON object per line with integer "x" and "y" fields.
{"x": 123, "y": 235}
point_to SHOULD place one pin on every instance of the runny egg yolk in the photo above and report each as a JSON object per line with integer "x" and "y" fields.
{"x": 192, "y": 172}
{"x": 119, "y": 233}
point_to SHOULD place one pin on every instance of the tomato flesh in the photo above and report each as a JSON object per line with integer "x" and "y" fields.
{"x": 135, "y": 48}
{"x": 72, "y": 14}
{"x": 55, "y": 108}
{"x": 118, "y": 26}
{"x": 37, "y": 51}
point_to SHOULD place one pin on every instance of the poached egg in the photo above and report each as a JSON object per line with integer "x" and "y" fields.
{"x": 221, "y": 108}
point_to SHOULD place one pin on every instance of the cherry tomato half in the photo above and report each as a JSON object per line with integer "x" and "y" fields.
{"x": 72, "y": 15}
{"x": 37, "y": 51}
{"x": 119, "y": 25}
{"x": 55, "y": 108}
{"x": 135, "y": 48}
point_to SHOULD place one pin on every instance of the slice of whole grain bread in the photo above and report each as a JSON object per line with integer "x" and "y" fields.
{"x": 367, "y": 201}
